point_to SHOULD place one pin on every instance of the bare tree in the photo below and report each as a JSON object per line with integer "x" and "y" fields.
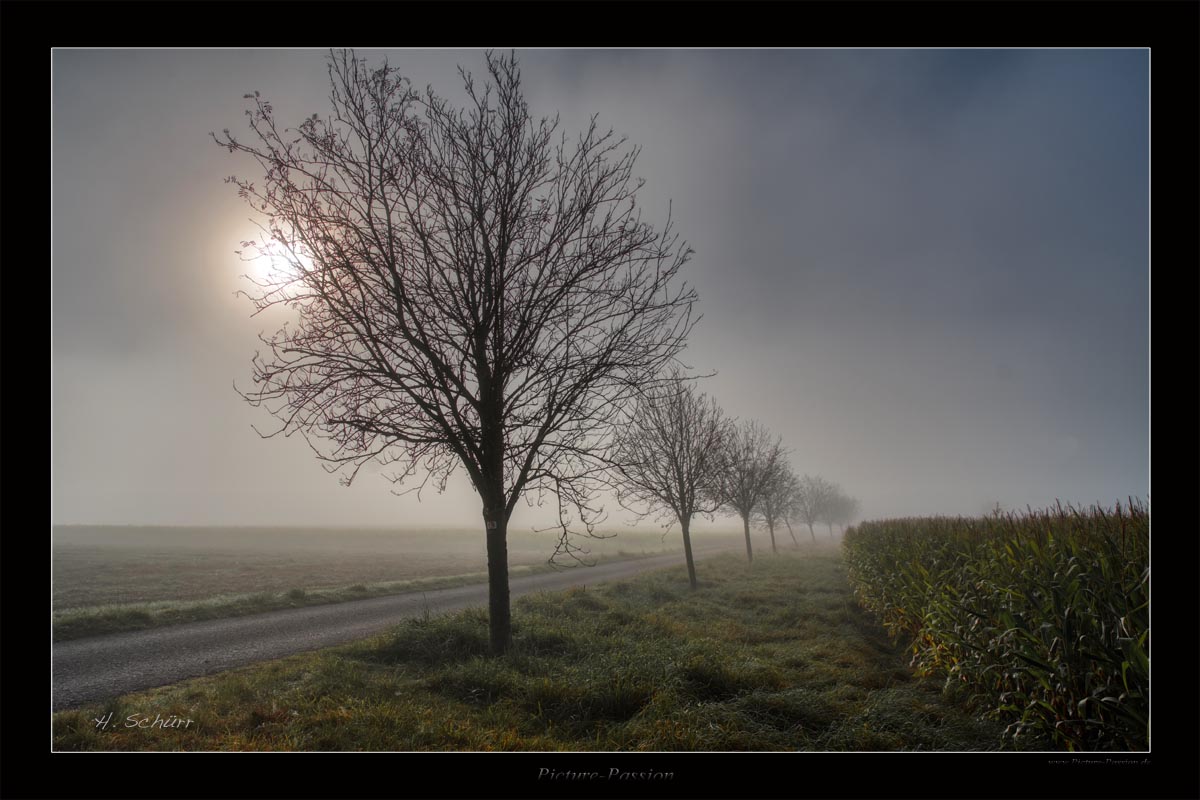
{"x": 832, "y": 506}
{"x": 843, "y": 510}
{"x": 748, "y": 463}
{"x": 789, "y": 490}
{"x": 776, "y": 501}
{"x": 664, "y": 458}
{"x": 469, "y": 290}
{"x": 810, "y": 501}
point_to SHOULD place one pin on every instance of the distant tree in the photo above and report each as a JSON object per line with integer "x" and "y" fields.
{"x": 789, "y": 490}
{"x": 847, "y": 511}
{"x": 838, "y": 508}
{"x": 468, "y": 289}
{"x": 776, "y": 500}
{"x": 748, "y": 463}
{"x": 810, "y": 501}
{"x": 828, "y": 505}
{"x": 664, "y": 459}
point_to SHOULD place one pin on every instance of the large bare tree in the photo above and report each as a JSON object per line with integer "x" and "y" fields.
{"x": 748, "y": 463}
{"x": 664, "y": 459}
{"x": 470, "y": 289}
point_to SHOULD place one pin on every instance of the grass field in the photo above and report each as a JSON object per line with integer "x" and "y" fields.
{"x": 778, "y": 657}
{"x": 109, "y": 579}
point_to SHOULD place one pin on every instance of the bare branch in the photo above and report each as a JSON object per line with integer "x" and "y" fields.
{"x": 469, "y": 290}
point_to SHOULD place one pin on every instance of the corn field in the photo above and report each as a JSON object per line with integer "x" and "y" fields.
{"x": 1042, "y": 618}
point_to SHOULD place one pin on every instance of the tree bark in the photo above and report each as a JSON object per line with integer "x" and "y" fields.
{"x": 771, "y": 528}
{"x": 499, "y": 617}
{"x": 687, "y": 552}
{"x": 810, "y": 533}
{"x": 749, "y": 550}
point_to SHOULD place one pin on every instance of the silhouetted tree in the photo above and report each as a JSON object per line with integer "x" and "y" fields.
{"x": 748, "y": 463}
{"x": 810, "y": 501}
{"x": 469, "y": 289}
{"x": 789, "y": 490}
{"x": 776, "y": 501}
{"x": 664, "y": 459}
{"x": 834, "y": 506}
{"x": 845, "y": 510}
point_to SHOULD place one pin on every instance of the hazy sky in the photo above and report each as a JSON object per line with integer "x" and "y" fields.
{"x": 927, "y": 270}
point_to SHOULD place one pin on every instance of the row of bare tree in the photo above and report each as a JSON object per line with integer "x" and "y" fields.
{"x": 469, "y": 288}
{"x": 680, "y": 456}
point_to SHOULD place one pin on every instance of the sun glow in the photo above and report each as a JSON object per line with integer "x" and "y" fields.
{"x": 263, "y": 263}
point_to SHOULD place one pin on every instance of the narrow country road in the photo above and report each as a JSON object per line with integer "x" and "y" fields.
{"x": 94, "y": 669}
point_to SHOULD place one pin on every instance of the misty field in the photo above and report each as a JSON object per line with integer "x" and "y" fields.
{"x": 108, "y": 579}
{"x": 777, "y": 657}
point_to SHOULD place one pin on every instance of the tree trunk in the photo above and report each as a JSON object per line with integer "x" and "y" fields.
{"x": 771, "y": 528}
{"x": 830, "y": 524}
{"x": 495, "y": 518}
{"x": 499, "y": 617}
{"x": 810, "y": 533}
{"x": 749, "y": 550}
{"x": 791, "y": 532}
{"x": 687, "y": 552}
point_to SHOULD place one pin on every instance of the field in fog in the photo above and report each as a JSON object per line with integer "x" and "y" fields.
{"x": 98, "y": 565}
{"x": 779, "y": 658}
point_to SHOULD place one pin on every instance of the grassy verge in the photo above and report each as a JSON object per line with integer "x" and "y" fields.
{"x": 78, "y": 623}
{"x": 775, "y": 658}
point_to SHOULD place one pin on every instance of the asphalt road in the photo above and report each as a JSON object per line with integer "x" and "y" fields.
{"x": 95, "y": 669}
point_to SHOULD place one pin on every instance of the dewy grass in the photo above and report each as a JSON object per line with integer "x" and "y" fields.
{"x": 777, "y": 657}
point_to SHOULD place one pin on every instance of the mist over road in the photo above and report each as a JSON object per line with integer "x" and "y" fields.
{"x": 94, "y": 669}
